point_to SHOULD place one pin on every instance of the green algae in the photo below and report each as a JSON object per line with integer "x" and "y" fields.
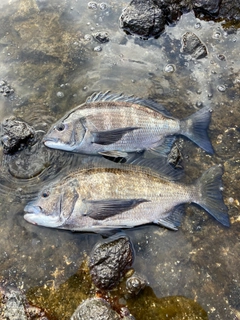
{"x": 61, "y": 302}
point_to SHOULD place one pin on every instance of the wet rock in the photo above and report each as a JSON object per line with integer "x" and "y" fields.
{"x": 209, "y": 6}
{"x": 175, "y": 157}
{"x": 15, "y": 135}
{"x": 143, "y": 18}
{"x": 135, "y": 283}
{"x": 5, "y": 88}
{"x": 95, "y": 309}
{"x": 101, "y": 37}
{"x": 192, "y": 45}
{"x": 110, "y": 260}
{"x": 14, "y": 306}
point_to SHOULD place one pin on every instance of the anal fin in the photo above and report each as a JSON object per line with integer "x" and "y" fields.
{"x": 173, "y": 220}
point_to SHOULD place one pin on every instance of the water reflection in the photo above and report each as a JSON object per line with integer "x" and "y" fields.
{"x": 44, "y": 51}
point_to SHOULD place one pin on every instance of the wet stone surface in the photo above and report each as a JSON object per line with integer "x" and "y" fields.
{"x": 193, "y": 46}
{"x": 15, "y": 135}
{"x": 110, "y": 260}
{"x": 14, "y": 306}
{"x": 101, "y": 37}
{"x": 5, "y": 88}
{"x": 98, "y": 309}
{"x": 143, "y": 18}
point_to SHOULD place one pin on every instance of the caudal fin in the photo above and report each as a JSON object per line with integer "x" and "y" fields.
{"x": 195, "y": 128}
{"x": 210, "y": 195}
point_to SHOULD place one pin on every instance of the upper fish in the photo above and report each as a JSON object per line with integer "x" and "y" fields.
{"x": 115, "y": 125}
{"x": 104, "y": 199}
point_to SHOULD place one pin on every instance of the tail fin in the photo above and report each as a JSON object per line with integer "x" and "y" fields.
{"x": 195, "y": 128}
{"x": 210, "y": 185}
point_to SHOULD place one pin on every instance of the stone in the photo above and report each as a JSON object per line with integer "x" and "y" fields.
{"x": 143, "y": 18}
{"x": 192, "y": 45}
{"x": 110, "y": 260}
{"x": 15, "y": 135}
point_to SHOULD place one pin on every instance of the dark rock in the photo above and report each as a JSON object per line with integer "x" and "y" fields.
{"x": 192, "y": 45}
{"x": 15, "y": 135}
{"x": 110, "y": 260}
{"x": 95, "y": 309}
{"x": 208, "y": 6}
{"x": 5, "y": 88}
{"x": 175, "y": 157}
{"x": 143, "y": 18}
{"x": 135, "y": 283}
{"x": 101, "y": 37}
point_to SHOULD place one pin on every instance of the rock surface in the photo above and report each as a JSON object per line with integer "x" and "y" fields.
{"x": 192, "y": 45}
{"x": 110, "y": 260}
{"x": 143, "y": 18}
{"x": 15, "y": 135}
{"x": 95, "y": 309}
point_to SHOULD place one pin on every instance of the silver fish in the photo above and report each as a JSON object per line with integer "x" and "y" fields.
{"x": 103, "y": 199}
{"x": 114, "y": 125}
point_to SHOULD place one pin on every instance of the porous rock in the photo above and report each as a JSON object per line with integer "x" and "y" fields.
{"x": 110, "y": 260}
{"x": 15, "y": 135}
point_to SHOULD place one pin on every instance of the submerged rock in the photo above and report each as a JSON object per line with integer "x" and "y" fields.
{"x": 5, "y": 88}
{"x": 15, "y": 135}
{"x": 14, "y": 306}
{"x": 95, "y": 309}
{"x": 143, "y": 18}
{"x": 192, "y": 45}
{"x": 175, "y": 157}
{"x": 101, "y": 37}
{"x": 110, "y": 260}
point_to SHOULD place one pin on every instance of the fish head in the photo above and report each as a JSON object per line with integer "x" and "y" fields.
{"x": 52, "y": 207}
{"x": 66, "y": 134}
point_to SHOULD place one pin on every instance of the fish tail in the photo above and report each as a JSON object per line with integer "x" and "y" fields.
{"x": 195, "y": 128}
{"x": 210, "y": 195}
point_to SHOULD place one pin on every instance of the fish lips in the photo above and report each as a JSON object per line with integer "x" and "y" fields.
{"x": 55, "y": 144}
{"x": 30, "y": 213}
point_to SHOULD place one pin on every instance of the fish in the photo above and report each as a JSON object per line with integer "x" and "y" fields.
{"x": 104, "y": 199}
{"x": 114, "y": 125}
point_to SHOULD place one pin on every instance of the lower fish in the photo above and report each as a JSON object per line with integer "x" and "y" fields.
{"x": 115, "y": 125}
{"x": 104, "y": 199}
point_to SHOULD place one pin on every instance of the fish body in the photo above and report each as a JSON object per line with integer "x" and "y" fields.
{"x": 103, "y": 199}
{"x": 115, "y": 125}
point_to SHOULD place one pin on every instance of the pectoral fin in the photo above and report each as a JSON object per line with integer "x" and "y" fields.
{"x": 114, "y": 154}
{"x": 110, "y": 136}
{"x": 103, "y": 209}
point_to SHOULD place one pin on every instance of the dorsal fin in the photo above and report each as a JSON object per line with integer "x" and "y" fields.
{"x": 107, "y": 96}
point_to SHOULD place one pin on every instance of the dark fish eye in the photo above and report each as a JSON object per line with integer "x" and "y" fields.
{"x": 45, "y": 194}
{"x": 60, "y": 127}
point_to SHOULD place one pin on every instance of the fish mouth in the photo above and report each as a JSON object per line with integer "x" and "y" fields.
{"x": 30, "y": 209}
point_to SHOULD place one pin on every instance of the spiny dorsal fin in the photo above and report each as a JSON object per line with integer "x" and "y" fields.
{"x": 107, "y": 96}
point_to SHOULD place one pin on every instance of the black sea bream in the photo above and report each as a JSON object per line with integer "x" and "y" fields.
{"x": 103, "y": 199}
{"x": 114, "y": 125}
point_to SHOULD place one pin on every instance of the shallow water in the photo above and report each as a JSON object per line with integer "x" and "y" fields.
{"x": 49, "y": 57}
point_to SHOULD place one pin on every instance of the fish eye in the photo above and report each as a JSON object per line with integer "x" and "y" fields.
{"x": 60, "y": 127}
{"x": 45, "y": 194}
